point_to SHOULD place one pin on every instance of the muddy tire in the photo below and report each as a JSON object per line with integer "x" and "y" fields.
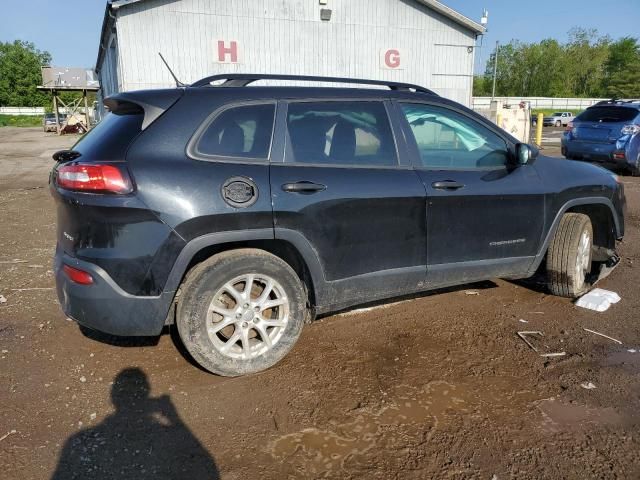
{"x": 241, "y": 311}
{"x": 569, "y": 256}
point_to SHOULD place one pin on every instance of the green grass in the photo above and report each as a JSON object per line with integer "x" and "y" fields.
{"x": 547, "y": 111}
{"x": 20, "y": 120}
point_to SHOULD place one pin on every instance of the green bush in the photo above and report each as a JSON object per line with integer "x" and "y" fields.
{"x": 20, "y": 120}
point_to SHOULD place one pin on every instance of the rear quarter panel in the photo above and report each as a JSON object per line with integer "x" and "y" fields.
{"x": 184, "y": 193}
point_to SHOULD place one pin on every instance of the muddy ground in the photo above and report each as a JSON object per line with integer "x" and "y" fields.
{"x": 434, "y": 387}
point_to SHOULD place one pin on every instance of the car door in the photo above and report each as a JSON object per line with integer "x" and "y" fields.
{"x": 343, "y": 193}
{"x": 485, "y": 215}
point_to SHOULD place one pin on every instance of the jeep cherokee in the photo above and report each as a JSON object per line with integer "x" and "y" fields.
{"x": 239, "y": 212}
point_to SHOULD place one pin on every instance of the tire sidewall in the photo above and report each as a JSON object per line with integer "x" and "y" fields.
{"x": 198, "y": 294}
{"x": 578, "y": 289}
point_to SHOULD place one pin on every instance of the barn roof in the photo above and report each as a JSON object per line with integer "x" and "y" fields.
{"x": 442, "y": 9}
{"x": 433, "y": 4}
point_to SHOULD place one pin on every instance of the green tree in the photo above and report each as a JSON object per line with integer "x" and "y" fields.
{"x": 625, "y": 83}
{"x": 587, "y": 65}
{"x": 20, "y": 74}
{"x": 586, "y": 56}
{"x": 481, "y": 85}
{"x": 623, "y": 69}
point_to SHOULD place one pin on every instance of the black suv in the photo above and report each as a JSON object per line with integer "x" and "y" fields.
{"x": 240, "y": 212}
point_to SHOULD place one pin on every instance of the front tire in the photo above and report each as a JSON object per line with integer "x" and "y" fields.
{"x": 569, "y": 256}
{"x": 241, "y": 311}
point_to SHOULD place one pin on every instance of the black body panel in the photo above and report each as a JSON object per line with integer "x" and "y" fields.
{"x": 370, "y": 233}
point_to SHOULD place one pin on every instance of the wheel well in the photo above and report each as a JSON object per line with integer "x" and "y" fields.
{"x": 280, "y": 248}
{"x": 604, "y": 228}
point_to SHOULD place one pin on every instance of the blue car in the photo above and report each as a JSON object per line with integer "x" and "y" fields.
{"x": 607, "y": 133}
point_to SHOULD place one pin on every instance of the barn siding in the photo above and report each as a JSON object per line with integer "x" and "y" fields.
{"x": 287, "y": 36}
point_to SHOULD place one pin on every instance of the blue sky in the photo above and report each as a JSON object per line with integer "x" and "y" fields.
{"x": 43, "y": 22}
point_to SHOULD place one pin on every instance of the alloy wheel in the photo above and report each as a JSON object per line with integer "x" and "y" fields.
{"x": 247, "y": 316}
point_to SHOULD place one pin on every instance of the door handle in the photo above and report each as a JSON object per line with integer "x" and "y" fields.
{"x": 447, "y": 185}
{"x": 303, "y": 187}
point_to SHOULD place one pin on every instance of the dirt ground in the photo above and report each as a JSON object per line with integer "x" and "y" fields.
{"x": 438, "y": 386}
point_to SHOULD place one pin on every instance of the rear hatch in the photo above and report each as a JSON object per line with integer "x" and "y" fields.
{"x": 107, "y": 144}
{"x": 100, "y": 218}
{"x": 602, "y": 124}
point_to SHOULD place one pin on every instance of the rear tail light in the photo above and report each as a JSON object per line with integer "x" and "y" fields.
{"x": 96, "y": 178}
{"x": 569, "y": 127}
{"x": 630, "y": 129}
{"x": 78, "y": 276}
{"x": 618, "y": 155}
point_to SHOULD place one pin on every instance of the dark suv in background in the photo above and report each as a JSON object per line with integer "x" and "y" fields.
{"x": 607, "y": 133}
{"x": 239, "y": 212}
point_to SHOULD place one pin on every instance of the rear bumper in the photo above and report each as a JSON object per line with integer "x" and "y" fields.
{"x": 104, "y": 306}
{"x": 594, "y": 152}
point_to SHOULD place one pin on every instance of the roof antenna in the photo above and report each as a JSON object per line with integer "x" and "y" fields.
{"x": 178, "y": 82}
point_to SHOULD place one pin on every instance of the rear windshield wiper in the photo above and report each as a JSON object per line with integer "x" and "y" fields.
{"x": 62, "y": 156}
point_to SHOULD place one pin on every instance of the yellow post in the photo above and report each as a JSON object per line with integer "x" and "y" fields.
{"x": 539, "y": 129}
{"x": 499, "y": 119}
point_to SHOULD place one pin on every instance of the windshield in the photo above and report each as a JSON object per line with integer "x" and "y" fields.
{"x": 557, "y": 114}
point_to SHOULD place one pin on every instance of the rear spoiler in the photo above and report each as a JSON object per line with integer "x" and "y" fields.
{"x": 152, "y": 103}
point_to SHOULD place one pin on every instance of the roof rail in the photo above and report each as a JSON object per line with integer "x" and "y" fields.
{"x": 244, "y": 79}
{"x": 618, "y": 101}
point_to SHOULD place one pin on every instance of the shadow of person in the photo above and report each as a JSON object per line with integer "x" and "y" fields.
{"x": 143, "y": 439}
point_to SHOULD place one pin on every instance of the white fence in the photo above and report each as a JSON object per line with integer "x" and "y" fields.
{"x": 21, "y": 111}
{"x": 547, "y": 103}
{"x": 38, "y": 111}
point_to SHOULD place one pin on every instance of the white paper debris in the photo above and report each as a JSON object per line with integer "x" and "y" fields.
{"x": 588, "y": 385}
{"x": 598, "y": 299}
{"x": 2, "y": 299}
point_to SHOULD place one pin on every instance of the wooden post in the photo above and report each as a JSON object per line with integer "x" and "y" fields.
{"x": 86, "y": 109}
{"x": 55, "y": 110}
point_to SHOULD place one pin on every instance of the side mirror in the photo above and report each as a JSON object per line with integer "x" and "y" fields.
{"x": 525, "y": 154}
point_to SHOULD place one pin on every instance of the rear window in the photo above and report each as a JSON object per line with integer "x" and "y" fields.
{"x": 608, "y": 114}
{"x": 110, "y": 138}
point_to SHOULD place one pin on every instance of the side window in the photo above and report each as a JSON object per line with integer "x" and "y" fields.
{"x": 342, "y": 133}
{"x": 241, "y": 132}
{"x": 447, "y": 139}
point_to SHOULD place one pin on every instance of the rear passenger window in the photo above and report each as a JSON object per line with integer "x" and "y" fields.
{"x": 241, "y": 132}
{"x": 343, "y": 133}
{"x": 449, "y": 140}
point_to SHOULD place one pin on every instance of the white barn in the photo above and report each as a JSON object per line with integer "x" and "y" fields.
{"x": 414, "y": 41}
